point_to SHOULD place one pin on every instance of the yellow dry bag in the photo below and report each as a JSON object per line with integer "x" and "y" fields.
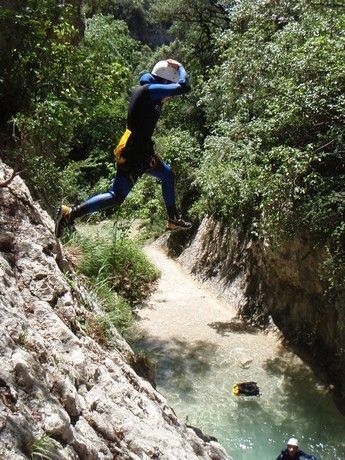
{"x": 120, "y": 146}
{"x": 235, "y": 390}
{"x": 246, "y": 389}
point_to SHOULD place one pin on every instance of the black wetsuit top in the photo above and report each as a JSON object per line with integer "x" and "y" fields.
{"x": 300, "y": 455}
{"x": 144, "y": 110}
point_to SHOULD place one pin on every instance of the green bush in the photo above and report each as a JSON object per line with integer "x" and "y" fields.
{"x": 111, "y": 259}
{"x": 118, "y": 271}
{"x": 78, "y": 104}
{"x": 273, "y": 160}
{"x": 119, "y": 315}
{"x": 275, "y": 108}
{"x": 118, "y": 264}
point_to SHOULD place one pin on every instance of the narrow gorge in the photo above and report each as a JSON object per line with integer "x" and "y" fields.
{"x": 65, "y": 394}
{"x": 281, "y": 283}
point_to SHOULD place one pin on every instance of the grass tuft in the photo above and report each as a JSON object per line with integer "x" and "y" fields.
{"x": 119, "y": 272}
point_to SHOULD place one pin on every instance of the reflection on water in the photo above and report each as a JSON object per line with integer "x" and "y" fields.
{"x": 197, "y": 380}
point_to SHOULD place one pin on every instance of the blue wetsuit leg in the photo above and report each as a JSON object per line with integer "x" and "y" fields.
{"x": 123, "y": 184}
{"x": 120, "y": 188}
{"x": 163, "y": 172}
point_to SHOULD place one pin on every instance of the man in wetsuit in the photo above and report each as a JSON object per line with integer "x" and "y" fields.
{"x": 292, "y": 452}
{"x": 135, "y": 153}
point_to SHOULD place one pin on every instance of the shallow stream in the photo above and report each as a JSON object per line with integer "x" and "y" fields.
{"x": 201, "y": 351}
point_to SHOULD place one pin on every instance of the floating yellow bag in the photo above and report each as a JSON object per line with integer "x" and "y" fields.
{"x": 235, "y": 390}
{"x": 246, "y": 389}
{"x": 120, "y": 146}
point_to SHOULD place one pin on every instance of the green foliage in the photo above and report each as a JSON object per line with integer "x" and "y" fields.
{"x": 145, "y": 202}
{"x": 28, "y": 29}
{"x": 274, "y": 161}
{"x": 195, "y": 23}
{"x": 280, "y": 88}
{"x": 227, "y": 178}
{"x": 118, "y": 315}
{"x": 119, "y": 273}
{"x": 43, "y": 143}
{"x": 182, "y": 152}
{"x": 41, "y": 448}
{"x": 118, "y": 264}
{"x": 79, "y": 106}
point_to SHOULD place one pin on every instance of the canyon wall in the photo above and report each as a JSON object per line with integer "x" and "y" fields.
{"x": 280, "y": 283}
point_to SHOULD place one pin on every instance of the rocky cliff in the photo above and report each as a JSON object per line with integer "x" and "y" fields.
{"x": 63, "y": 395}
{"x": 282, "y": 283}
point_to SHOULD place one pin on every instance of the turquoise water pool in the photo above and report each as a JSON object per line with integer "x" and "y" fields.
{"x": 197, "y": 380}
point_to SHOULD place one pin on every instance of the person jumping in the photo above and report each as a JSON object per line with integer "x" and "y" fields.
{"x": 135, "y": 153}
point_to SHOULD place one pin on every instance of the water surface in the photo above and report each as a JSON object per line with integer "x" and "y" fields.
{"x": 197, "y": 380}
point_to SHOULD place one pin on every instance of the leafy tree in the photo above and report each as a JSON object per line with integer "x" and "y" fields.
{"x": 276, "y": 106}
{"x": 195, "y": 23}
{"x": 77, "y": 106}
{"x": 135, "y": 14}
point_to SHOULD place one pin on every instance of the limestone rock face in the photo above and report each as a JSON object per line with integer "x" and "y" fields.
{"x": 282, "y": 283}
{"x": 61, "y": 393}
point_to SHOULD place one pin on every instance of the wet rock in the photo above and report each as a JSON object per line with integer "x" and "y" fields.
{"x": 201, "y": 435}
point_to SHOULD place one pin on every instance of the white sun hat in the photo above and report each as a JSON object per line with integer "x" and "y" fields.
{"x": 163, "y": 70}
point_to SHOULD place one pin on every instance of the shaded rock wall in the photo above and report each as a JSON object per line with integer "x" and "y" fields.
{"x": 61, "y": 393}
{"x": 281, "y": 283}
